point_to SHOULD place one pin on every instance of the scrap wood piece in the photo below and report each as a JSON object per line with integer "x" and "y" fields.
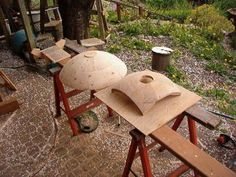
{"x": 204, "y": 117}
{"x": 191, "y": 155}
{"x": 55, "y": 54}
{"x": 7, "y": 82}
{"x": 9, "y": 105}
{"x": 92, "y": 42}
{"x": 61, "y": 43}
{"x": 36, "y": 52}
{"x": 117, "y": 134}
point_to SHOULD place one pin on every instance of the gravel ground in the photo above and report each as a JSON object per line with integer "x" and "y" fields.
{"x": 33, "y": 143}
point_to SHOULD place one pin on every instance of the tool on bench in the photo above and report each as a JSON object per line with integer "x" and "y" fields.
{"x": 224, "y": 141}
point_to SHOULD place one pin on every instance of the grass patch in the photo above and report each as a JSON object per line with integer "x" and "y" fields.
{"x": 177, "y": 76}
{"x": 224, "y": 100}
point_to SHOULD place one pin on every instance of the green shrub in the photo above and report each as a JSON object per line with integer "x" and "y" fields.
{"x": 223, "y": 5}
{"x": 167, "y": 3}
{"x": 179, "y": 14}
{"x": 209, "y": 19}
{"x": 112, "y": 17}
{"x": 136, "y": 44}
{"x": 145, "y": 27}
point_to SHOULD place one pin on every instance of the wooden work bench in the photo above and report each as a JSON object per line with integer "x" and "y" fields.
{"x": 187, "y": 152}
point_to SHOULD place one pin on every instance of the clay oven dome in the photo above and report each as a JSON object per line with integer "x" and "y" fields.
{"x": 92, "y": 70}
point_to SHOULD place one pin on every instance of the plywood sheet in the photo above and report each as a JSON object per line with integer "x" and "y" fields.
{"x": 55, "y": 54}
{"x": 161, "y": 113}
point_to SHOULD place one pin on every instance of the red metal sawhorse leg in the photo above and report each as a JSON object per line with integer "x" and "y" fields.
{"x": 61, "y": 95}
{"x": 138, "y": 139}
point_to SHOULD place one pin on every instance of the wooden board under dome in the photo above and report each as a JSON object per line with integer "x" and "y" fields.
{"x": 160, "y": 114}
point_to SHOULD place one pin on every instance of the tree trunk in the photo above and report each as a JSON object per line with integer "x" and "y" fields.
{"x": 75, "y": 18}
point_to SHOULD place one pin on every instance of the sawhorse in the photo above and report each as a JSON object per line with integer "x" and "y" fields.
{"x": 138, "y": 141}
{"x": 196, "y": 159}
{"x": 62, "y": 96}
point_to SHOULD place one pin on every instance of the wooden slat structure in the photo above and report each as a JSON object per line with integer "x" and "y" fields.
{"x": 7, "y": 82}
{"x": 55, "y": 54}
{"x": 190, "y": 154}
{"x": 3, "y": 25}
{"x": 27, "y": 25}
{"x": 120, "y": 3}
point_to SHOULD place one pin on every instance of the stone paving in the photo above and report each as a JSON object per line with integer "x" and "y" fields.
{"x": 34, "y": 143}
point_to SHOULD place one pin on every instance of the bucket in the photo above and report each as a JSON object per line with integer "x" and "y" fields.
{"x": 161, "y": 58}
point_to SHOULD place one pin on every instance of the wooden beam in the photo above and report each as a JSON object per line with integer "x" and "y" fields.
{"x": 203, "y": 117}
{"x": 28, "y": 4}
{"x": 26, "y": 23}
{"x": 3, "y": 25}
{"x": 9, "y": 106}
{"x": 43, "y": 4}
{"x": 190, "y": 154}
{"x": 8, "y": 83}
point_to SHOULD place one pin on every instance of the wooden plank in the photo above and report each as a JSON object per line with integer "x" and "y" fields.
{"x": 92, "y": 42}
{"x": 9, "y": 106}
{"x": 8, "y": 83}
{"x": 27, "y": 26}
{"x": 190, "y": 154}
{"x": 55, "y": 54}
{"x": 162, "y": 112}
{"x": 204, "y": 117}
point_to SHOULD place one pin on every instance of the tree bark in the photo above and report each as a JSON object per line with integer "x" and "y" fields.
{"x": 75, "y": 18}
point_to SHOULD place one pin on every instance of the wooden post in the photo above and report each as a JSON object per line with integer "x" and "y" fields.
{"x": 3, "y": 25}
{"x": 100, "y": 20}
{"x": 28, "y": 3}
{"x": 26, "y": 23}
{"x": 43, "y": 4}
{"x": 118, "y": 11}
{"x": 140, "y": 10}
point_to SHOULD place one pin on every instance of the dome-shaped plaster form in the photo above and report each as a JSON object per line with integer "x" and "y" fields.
{"x": 93, "y": 70}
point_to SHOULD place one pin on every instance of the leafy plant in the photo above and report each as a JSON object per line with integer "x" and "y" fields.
{"x": 209, "y": 19}
{"x": 176, "y": 75}
{"x": 167, "y": 3}
{"x": 114, "y": 48}
{"x": 112, "y": 17}
{"x": 136, "y": 44}
{"x": 223, "y": 99}
{"x": 179, "y": 14}
{"x": 223, "y": 5}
